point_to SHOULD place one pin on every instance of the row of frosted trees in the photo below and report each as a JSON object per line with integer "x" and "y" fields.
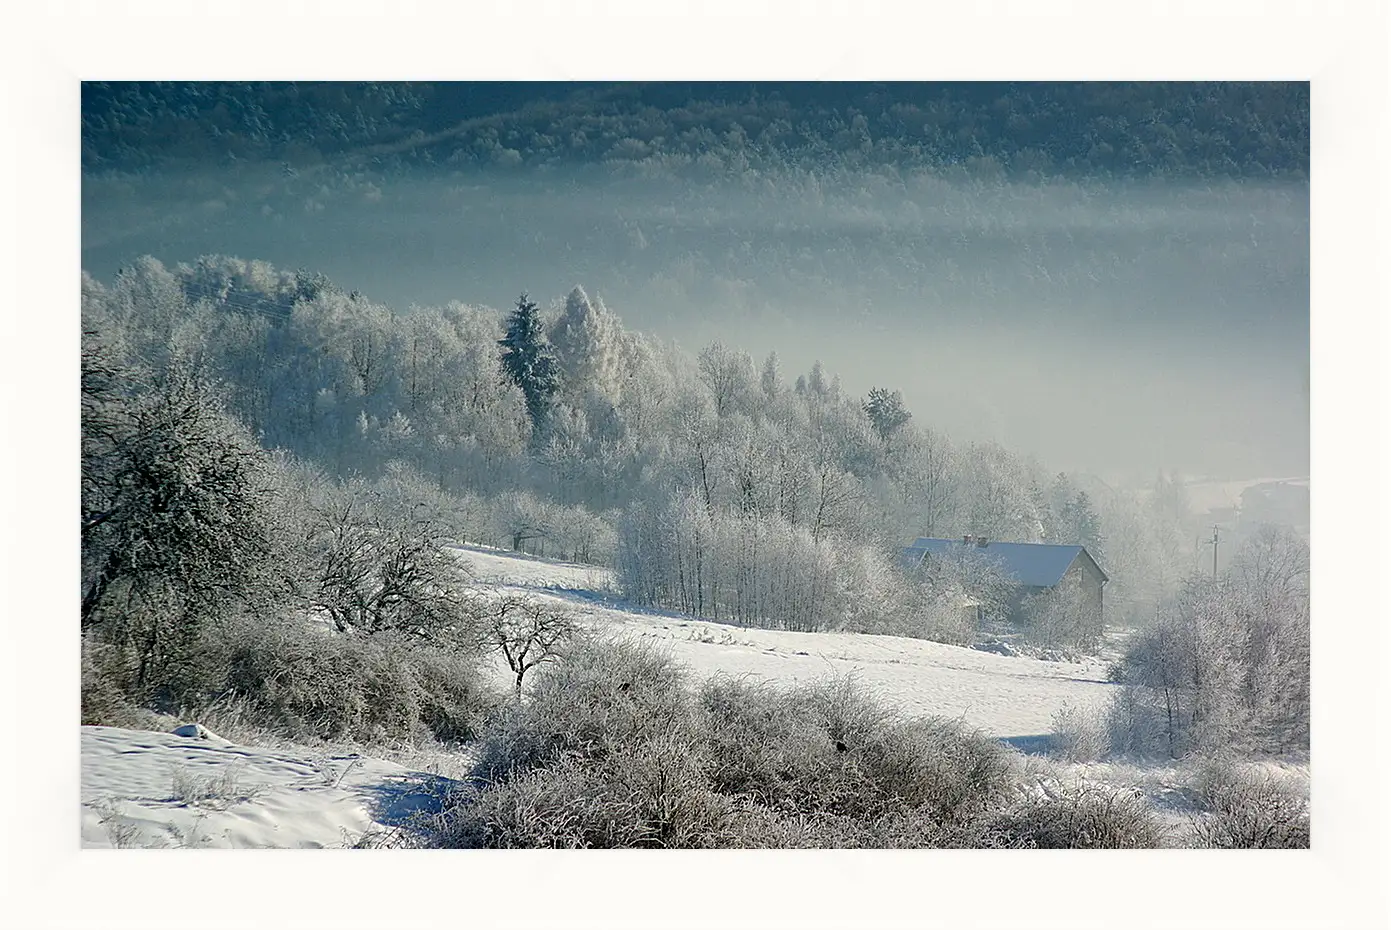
{"x": 754, "y": 571}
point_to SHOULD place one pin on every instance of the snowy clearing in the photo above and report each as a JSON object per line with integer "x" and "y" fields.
{"x": 1005, "y": 696}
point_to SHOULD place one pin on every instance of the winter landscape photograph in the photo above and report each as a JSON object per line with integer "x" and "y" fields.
{"x": 828, "y": 473}
{"x": 695, "y": 465}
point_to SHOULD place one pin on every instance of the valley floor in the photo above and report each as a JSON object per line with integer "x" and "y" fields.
{"x": 1006, "y": 696}
{"x": 144, "y": 788}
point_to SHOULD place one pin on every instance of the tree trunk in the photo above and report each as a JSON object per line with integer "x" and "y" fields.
{"x": 94, "y": 594}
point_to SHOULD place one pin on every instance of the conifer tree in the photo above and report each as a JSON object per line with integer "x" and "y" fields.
{"x": 886, "y": 412}
{"x": 530, "y": 361}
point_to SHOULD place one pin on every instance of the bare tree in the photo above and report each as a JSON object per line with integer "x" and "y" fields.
{"x": 380, "y": 565}
{"x": 527, "y": 632}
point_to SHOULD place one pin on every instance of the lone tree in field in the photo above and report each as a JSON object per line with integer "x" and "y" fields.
{"x": 530, "y": 360}
{"x": 528, "y": 633}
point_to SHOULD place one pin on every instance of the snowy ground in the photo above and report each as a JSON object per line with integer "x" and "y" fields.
{"x": 142, "y": 788}
{"x": 499, "y": 566}
{"x": 1007, "y": 696}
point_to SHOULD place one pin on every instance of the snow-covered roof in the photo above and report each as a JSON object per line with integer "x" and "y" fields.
{"x": 1039, "y": 565}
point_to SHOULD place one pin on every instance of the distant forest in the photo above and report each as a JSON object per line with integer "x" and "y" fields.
{"x": 1026, "y": 130}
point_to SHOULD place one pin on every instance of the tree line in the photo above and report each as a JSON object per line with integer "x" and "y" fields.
{"x": 988, "y": 129}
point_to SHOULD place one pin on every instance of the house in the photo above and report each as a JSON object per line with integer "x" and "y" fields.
{"x": 1032, "y": 568}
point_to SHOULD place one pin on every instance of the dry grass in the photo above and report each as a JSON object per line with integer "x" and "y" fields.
{"x": 219, "y": 791}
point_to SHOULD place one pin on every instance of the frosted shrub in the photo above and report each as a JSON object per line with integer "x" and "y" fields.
{"x": 305, "y": 683}
{"x": 1079, "y": 734}
{"x": 654, "y": 797}
{"x": 1251, "y": 810}
{"x": 604, "y": 697}
{"x": 768, "y": 746}
{"x": 454, "y": 702}
{"x": 1082, "y": 816}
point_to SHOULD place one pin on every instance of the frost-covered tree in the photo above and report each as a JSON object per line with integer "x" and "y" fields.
{"x": 175, "y": 523}
{"x": 1225, "y": 665}
{"x": 527, "y": 632}
{"x": 728, "y": 375}
{"x": 770, "y": 378}
{"x": 1065, "y": 617}
{"x": 1271, "y": 574}
{"x": 921, "y": 491}
{"x": 997, "y": 501}
{"x": 696, "y": 438}
{"x": 1072, "y": 517}
{"x": 378, "y": 565}
{"x": 756, "y": 571}
{"x": 147, "y": 304}
{"x": 588, "y": 342}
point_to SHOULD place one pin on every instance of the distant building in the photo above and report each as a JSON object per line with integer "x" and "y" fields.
{"x": 1033, "y": 568}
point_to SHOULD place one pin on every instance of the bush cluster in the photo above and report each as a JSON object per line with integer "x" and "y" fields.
{"x": 613, "y": 749}
{"x": 310, "y": 684}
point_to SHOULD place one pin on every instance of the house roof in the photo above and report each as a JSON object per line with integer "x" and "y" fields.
{"x": 1039, "y": 565}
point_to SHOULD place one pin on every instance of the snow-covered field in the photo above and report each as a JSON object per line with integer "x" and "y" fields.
{"x": 499, "y": 566}
{"x": 142, "y": 788}
{"x": 1003, "y": 695}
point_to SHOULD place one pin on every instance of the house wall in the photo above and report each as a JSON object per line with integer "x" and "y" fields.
{"x": 1081, "y": 575}
{"x": 1085, "y": 576}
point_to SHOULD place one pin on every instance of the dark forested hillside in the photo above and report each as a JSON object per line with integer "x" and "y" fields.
{"x": 1018, "y": 129}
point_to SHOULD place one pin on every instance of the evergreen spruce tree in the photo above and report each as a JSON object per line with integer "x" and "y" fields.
{"x": 886, "y": 411}
{"x": 530, "y": 361}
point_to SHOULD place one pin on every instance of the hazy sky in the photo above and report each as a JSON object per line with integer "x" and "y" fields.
{"x": 1107, "y": 326}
